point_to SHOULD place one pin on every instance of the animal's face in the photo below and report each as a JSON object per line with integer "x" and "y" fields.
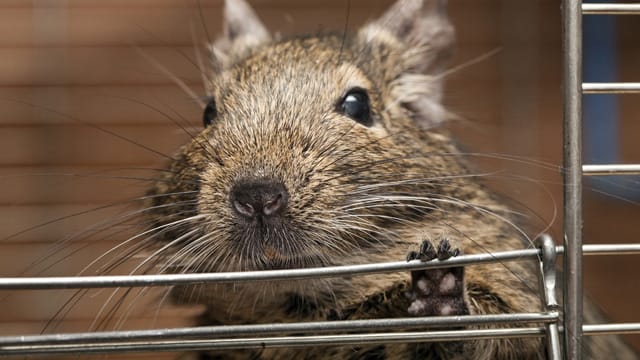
{"x": 314, "y": 148}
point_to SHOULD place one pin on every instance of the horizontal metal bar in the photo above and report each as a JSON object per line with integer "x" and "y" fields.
{"x": 291, "y": 341}
{"x": 262, "y": 329}
{"x": 611, "y": 88}
{"x": 611, "y": 329}
{"x": 611, "y": 169}
{"x": 611, "y": 249}
{"x": 81, "y": 282}
{"x": 112, "y": 281}
{"x": 606, "y": 249}
{"x": 611, "y": 9}
{"x": 95, "y": 343}
{"x": 275, "y": 342}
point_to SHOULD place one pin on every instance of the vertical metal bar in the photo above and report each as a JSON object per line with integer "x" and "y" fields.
{"x": 548, "y": 285}
{"x": 572, "y": 91}
{"x": 553, "y": 341}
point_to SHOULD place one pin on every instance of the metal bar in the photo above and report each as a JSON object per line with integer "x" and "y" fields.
{"x": 611, "y": 9}
{"x": 611, "y": 249}
{"x": 605, "y": 249}
{"x": 278, "y": 328}
{"x": 553, "y": 341}
{"x": 87, "y": 345}
{"x": 611, "y": 88}
{"x": 548, "y": 271}
{"x": 611, "y": 329}
{"x": 81, "y": 282}
{"x": 275, "y": 342}
{"x": 548, "y": 284}
{"x": 611, "y": 169}
{"x": 572, "y": 176}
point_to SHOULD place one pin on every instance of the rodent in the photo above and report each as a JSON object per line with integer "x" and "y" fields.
{"x": 327, "y": 150}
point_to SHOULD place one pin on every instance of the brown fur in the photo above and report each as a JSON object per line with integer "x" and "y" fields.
{"x": 356, "y": 194}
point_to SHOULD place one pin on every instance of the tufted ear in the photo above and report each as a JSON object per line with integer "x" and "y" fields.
{"x": 243, "y": 31}
{"x": 423, "y": 27}
{"x": 420, "y": 34}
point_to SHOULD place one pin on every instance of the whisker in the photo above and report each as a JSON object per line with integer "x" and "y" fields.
{"x": 344, "y": 31}
{"x": 469, "y": 63}
{"x": 203, "y": 73}
{"x": 192, "y": 95}
{"x": 95, "y": 228}
{"x": 102, "y": 310}
{"x": 145, "y": 233}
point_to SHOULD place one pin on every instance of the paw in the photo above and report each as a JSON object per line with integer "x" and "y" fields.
{"x": 437, "y": 291}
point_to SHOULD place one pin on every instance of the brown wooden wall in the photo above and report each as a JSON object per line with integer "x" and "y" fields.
{"x": 71, "y": 76}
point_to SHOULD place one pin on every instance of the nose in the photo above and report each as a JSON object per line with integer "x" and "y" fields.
{"x": 255, "y": 198}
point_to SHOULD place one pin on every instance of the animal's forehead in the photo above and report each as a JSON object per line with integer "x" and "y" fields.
{"x": 312, "y": 51}
{"x": 294, "y": 71}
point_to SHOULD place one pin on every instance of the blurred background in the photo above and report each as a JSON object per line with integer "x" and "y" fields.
{"x": 72, "y": 76}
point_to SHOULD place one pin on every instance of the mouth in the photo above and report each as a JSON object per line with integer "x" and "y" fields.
{"x": 273, "y": 260}
{"x": 267, "y": 257}
{"x": 273, "y": 247}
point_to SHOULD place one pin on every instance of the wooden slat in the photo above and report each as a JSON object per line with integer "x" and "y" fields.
{"x": 42, "y": 305}
{"x": 52, "y": 223}
{"x": 169, "y": 316}
{"x": 52, "y": 259}
{"x": 93, "y": 66}
{"x": 108, "y": 26}
{"x": 73, "y": 185}
{"x": 99, "y": 26}
{"x": 80, "y": 145}
{"x": 99, "y": 105}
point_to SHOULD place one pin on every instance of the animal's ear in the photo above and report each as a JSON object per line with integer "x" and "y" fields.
{"x": 421, "y": 38}
{"x": 243, "y": 31}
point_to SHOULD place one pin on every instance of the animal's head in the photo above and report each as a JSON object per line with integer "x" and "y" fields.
{"x": 315, "y": 148}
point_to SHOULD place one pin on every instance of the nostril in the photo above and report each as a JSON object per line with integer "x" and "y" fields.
{"x": 273, "y": 206}
{"x": 258, "y": 197}
{"x": 244, "y": 209}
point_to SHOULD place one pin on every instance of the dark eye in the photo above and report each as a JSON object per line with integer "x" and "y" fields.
{"x": 210, "y": 112}
{"x": 355, "y": 105}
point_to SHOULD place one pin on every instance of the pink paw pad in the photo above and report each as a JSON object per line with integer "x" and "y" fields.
{"x": 437, "y": 292}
